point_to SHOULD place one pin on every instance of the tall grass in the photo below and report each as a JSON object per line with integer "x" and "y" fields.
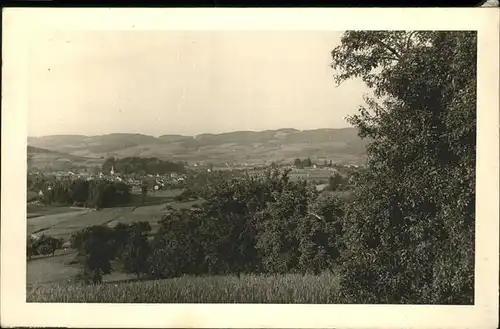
{"x": 288, "y": 288}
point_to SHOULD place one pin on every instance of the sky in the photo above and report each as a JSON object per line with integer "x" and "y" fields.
{"x": 192, "y": 82}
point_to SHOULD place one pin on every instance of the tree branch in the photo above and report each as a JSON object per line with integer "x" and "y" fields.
{"x": 407, "y": 43}
{"x": 386, "y": 46}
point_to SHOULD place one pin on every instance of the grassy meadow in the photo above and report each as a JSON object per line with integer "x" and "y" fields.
{"x": 287, "y": 288}
{"x": 63, "y": 221}
{"x": 33, "y": 210}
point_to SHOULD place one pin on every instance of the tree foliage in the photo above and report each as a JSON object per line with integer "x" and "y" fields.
{"x": 175, "y": 247}
{"x": 410, "y": 233}
{"x": 136, "y": 250}
{"x": 338, "y": 182}
{"x": 80, "y": 192}
{"x": 142, "y": 166}
{"x": 251, "y": 224}
{"x": 97, "y": 248}
{"x": 43, "y": 245}
{"x": 247, "y": 224}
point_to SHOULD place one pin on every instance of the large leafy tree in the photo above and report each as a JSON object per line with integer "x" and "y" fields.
{"x": 176, "y": 248}
{"x": 282, "y": 227}
{"x": 97, "y": 249}
{"x": 137, "y": 249}
{"x": 410, "y": 232}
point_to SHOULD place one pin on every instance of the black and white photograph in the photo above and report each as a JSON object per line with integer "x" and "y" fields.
{"x": 286, "y": 166}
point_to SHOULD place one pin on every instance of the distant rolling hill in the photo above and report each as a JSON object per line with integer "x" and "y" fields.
{"x": 44, "y": 159}
{"x": 340, "y": 145}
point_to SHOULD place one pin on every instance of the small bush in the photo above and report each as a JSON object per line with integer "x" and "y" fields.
{"x": 43, "y": 245}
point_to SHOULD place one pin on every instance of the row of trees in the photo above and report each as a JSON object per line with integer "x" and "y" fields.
{"x": 38, "y": 182}
{"x": 262, "y": 223}
{"x": 305, "y": 163}
{"x": 100, "y": 247}
{"x": 254, "y": 224}
{"x": 142, "y": 166}
{"x": 298, "y": 163}
{"x": 80, "y": 192}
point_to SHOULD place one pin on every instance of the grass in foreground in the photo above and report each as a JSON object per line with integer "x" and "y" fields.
{"x": 289, "y": 288}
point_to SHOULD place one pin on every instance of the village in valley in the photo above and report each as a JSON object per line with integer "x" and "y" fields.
{"x": 214, "y": 177}
{"x": 134, "y": 181}
{"x": 317, "y": 173}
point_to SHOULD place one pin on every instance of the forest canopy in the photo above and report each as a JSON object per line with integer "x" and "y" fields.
{"x": 142, "y": 166}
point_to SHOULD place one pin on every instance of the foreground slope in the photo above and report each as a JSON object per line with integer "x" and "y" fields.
{"x": 286, "y": 288}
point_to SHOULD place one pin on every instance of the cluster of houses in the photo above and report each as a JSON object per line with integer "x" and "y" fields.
{"x": 135, "y": 181}
{"x": 316, "y": 171}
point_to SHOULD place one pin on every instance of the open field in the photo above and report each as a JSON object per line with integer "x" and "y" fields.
{"x": 56, "y": 221}
{"x": 48, "y": 270}
{"x": 288, "y": 288}
{"x": 62, "y": 222}
{"x": 47, "y": 222}
{"x": 42, "y": 159}
{"x": 168, "y": 193}
{"x": 38, "y": 210}
{"x": 63, "y": 225}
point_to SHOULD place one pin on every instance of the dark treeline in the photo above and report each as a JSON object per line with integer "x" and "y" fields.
{"x": 94, "y": 193}
{"x": 305, "y": 163}
{"x": 142, "y": 166}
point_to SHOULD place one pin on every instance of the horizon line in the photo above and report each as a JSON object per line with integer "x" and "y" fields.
{"x": 193, "y": 135}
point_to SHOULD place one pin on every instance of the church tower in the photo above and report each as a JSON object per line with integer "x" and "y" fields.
{"x": 112, "y": 170}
